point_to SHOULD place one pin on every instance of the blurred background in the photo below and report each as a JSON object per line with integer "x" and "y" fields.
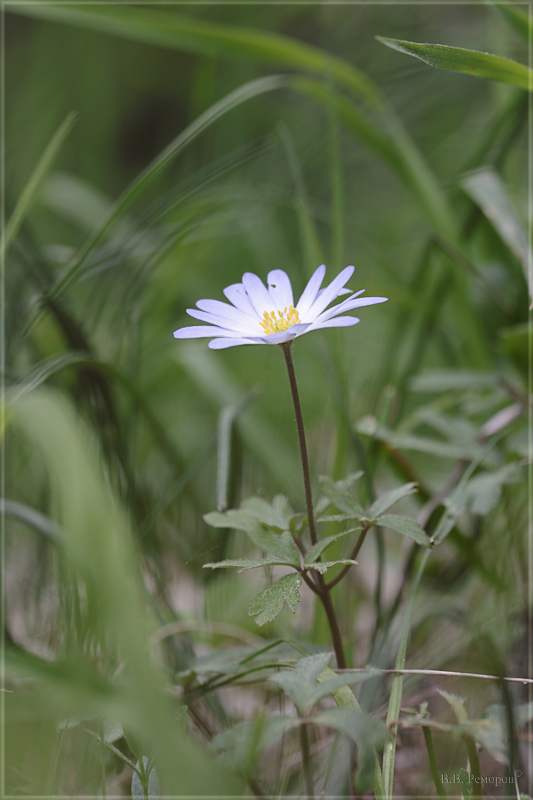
{"x": 184, "y": 165}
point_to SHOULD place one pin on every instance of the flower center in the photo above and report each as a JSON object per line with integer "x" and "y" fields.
{"x": 279, "y": 324}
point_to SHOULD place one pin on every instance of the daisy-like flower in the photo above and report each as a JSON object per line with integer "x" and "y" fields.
{"x": 260, "y": 315}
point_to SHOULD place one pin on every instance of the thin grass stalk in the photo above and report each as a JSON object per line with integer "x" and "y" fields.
{"x": 430, "y": 747}
{"x": 306, "y": 761}
{"x": 475, "y": 768}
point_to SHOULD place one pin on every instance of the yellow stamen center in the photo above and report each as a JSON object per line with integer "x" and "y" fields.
{"x": 279, "y": 324}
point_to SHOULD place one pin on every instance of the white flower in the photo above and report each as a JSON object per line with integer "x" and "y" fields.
{"x": 268, "y": 316}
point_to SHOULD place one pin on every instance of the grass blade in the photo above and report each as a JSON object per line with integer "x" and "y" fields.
{"x": 472, "y": 62}
{"x": 161, "y": 162}
{"x": 395, "y": 700}
{"x": 209, "y": 38}
{"x": 34, "y": 185}
{"x": 488, "y": 191}
{"x": 517, "y": 18}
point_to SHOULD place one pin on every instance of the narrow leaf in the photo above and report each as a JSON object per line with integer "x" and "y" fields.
{"x": 518, "y": 18}
{"x": 367, "y": 732}
{"x": 406, "y": 527}
{"x": 323, "y": 566}
{"x": 281, "y": 547}
{"x": 245, "y": 563}
{"x": 168, "y": 29}
{"x": 449, "y": 380}
{"x": 34, "y": 185}
{"x": 320, "y": 546}
{"x": 33, "y": 518}
{"x": 458, "y": 59}
{"x": 154, "y": 787}
{"x": 270, "y": 603}
{"x": 300, "y": 683}
{"x": 390, "y": 498}
{"x": 341, "y": 495}
{"x": 161, "y": 162}
{"x": 488, "y": 191}
{"x": 275, "y": 515}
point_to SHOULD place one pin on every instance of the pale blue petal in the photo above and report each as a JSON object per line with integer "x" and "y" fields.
{"x": 258, "y": 294}
{"x": 236, "y": 294}
{"x": 337, "y": 322}
{"x": 348, "y": 305}
{"x": 328, "y": 295}
{"x": 222, "y": 344}
{"x": 248, "y": 329}
{"x": 310, "y": 292}
{"x": 224, "y": 310}
{"x": 280, "y": 289}
{"x": 201, "y": 331}
{"x": 286, "y": 336}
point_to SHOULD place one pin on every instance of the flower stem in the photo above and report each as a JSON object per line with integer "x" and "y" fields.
{"x": 322, "y": 589}
{"x": 301, "y": 438}
{"x": 306, "y": 761}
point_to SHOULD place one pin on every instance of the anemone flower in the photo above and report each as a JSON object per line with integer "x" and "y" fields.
{"x": 260, "y": 315}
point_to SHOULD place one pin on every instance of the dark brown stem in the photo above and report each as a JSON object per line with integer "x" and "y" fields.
{"x": 353, "y": 556}
{"x": 301, "y": 438}
{"x": 309, "y": 581}
{"x": 336, "y": 637}
{"x": 322, "y": 590}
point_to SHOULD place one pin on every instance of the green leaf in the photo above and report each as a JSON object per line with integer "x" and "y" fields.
{"x": 34, "y": 185}
{"x": 234, "y": 518}
{"x": 385, "y": 502}
{"x": 281, "y": 547}
{"x": 449, "y": 380}
{"x": 33, "y": 518}
{"x": 323, "y": 544}
{"x": 335, "y": 684}
{"x": 154, "y": 786}
{"x": 457, "y": 703}
{"x": 110, "y": 746}
{"x": 406, "y": 527}
{"x": 270, "y": 603}
{"x": 472, "y": 62}
{"x": 276, "y": 515}
{"x": 467, "y": 787}
{"x": 240, "y": 746}
{"x": 245, "y": 92}
{"x": 368, "y": 733}
{"x": 341, "y": 496}
{"x": 488, "y": 191}
{"x": 323, "y": 566}
{"x": 421, "y": 444}
{"x": 245, "y": 563}
{"x": 484, "y": 491}
{"x": 168, "y": 29}
{"x": 300, "y": 683}
{"x": 517, "y": 17}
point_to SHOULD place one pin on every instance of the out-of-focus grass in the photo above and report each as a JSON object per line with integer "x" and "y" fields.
{"x": 362, "y": 163}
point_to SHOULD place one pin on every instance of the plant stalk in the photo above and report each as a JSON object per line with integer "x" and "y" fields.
{"x": 306, "y": 761}
{"x": 323, "y": 591}
{"x": 301, "y": 438}
{"x": 433, "y": 762}
{"x": 475, "y": 768}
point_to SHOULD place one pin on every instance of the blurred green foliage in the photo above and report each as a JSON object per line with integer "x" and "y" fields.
{"x": 210, "y": 141}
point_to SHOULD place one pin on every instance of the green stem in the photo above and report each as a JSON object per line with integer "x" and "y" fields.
{"x": 306, "y": 761}
{"x": 102, "y": 758}
{"x": 475, "y": 769}
{"x": 433, "y": 762}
